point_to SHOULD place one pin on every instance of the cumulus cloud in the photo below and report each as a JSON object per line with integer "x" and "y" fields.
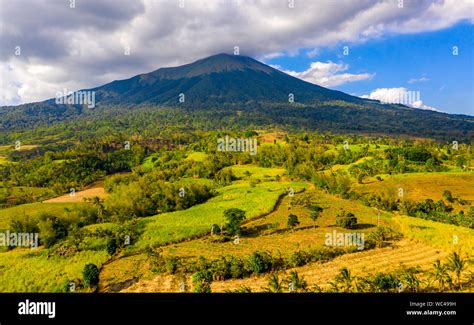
{"x": 399, "y": 95}
{"x": 85, "y": 46}
{"x": 327, "y": 74}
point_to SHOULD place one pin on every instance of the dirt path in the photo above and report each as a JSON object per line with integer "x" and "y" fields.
{"x": 96, "y": 189}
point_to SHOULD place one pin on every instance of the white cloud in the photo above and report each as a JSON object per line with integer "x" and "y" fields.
{"x": 84, "y": 47}
{"x": 327, "y": 74}
{"x": 399, "y": 95}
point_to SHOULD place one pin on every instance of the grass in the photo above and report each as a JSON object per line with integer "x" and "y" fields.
{"x": 26, "y": 270}
{"x": 197, "y": 156}
{"x": 437, "y": 234}
{"x": 197, "y": 220}
{"x": 31, "y": 209}
{"x": 256, "y": 172}
{"x": 271, "y": 233}
{"x": 421, "y": 186}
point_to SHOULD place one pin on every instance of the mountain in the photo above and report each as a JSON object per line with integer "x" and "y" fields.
{"x": 221, "y": 79}
{"x": 217, "y": 88}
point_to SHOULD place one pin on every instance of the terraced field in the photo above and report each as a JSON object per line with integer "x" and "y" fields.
{"x": 420, "y": 186}
{"x": 403, "y": 253}
{"x": 424, "y": 243}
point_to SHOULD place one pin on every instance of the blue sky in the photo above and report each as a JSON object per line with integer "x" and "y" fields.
{"x": 49, "y": 46}
{"x": 447, "y": 81}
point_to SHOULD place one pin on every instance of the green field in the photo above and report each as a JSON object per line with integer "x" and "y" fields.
{"x": 256, "y": 172}
{"x": 33, "y": 271}
{"x": 31, "y": 209}
{"x": 197, "y": 220}
{"x": 197, "y": 156}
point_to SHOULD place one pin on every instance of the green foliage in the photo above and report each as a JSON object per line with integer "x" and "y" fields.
{"x": 202, "y": 282}
{"x": 112, "y": 246}
{"x": 346, "y": 219}
{"x": 292, "y": 221}
{"x": 51, "y": 229}
{"x": 91, "y": 275}
{"x": 448, "y": 196}
{"x": 259, "y": 262}
{"x": 234, "y": 218}
{"x": 315, "y": 213}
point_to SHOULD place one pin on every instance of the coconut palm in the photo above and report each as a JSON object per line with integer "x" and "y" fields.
{"x": 274, "y": 284}
{"x": 296, "y": 283}
{"x": 440, "y": 274}
{"x": 456, "y": 264}
{"x": 411, "y": 281}
{"x": 345, "y": 279}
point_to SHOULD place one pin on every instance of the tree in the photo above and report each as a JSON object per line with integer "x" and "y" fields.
{"x": 346, "y": 220}
{"x": 202, "y": 281}
{"x": 315, "y": 213}
{"x": 456, "y": 264}
{"x": 112, "y": 246}
{"x": 411, "y": 281}
{"x": 345, "y": 279}
{"x": 234, "y": 219}
{"x": 91, "y": 275}
{"x": 440, "y": 274}
{"x": 292, "y": 221}
{"x": 448, "y": 196}
{"x": 296, "y": 283}
{"x": 274, "y": 284}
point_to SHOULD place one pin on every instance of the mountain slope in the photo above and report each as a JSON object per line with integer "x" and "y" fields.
{"x": 216, "y": 88}
{"x": 220, "y": 79}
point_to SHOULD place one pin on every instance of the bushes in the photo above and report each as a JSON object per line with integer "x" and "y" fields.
{"x": 202, "y": 281}
{"x": 234, "y": 219}
{"x": 292, "y": 221}
{"x": 91, "y": 275}
{"x": 111, "y": 246}
{"x": 52, "y": 229}
{"x": 346, "y": 220}
{"x": 259, "y": 262}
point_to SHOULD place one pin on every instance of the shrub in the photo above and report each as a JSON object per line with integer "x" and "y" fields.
{"x": 91, "y": 275}
{"x": 234, "y": 219}
{"x": 171, "y": 264}
{"x": 112, "y": 246}
{"x": 299, "y": 258}
{"x": 259, "y": 262}
{"x": 51, "y": 229}
{"x": 215, "y": 229}
{"x": 346, "y": 220}
{"x": 292, "y": 221}
{"x": 202, "y": 281}
{"x": 448, "y": 196}
{"x": 237, "y": 268}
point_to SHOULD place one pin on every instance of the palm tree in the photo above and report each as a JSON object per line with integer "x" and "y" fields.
{"x": 456, "y": 264}
{"x": 440, "y": 274}
{"x": 296, "y": 283}
{"x": 412, "y": 283}
{"x": 274, "y": 284}
{"x": 345, "y": 279}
